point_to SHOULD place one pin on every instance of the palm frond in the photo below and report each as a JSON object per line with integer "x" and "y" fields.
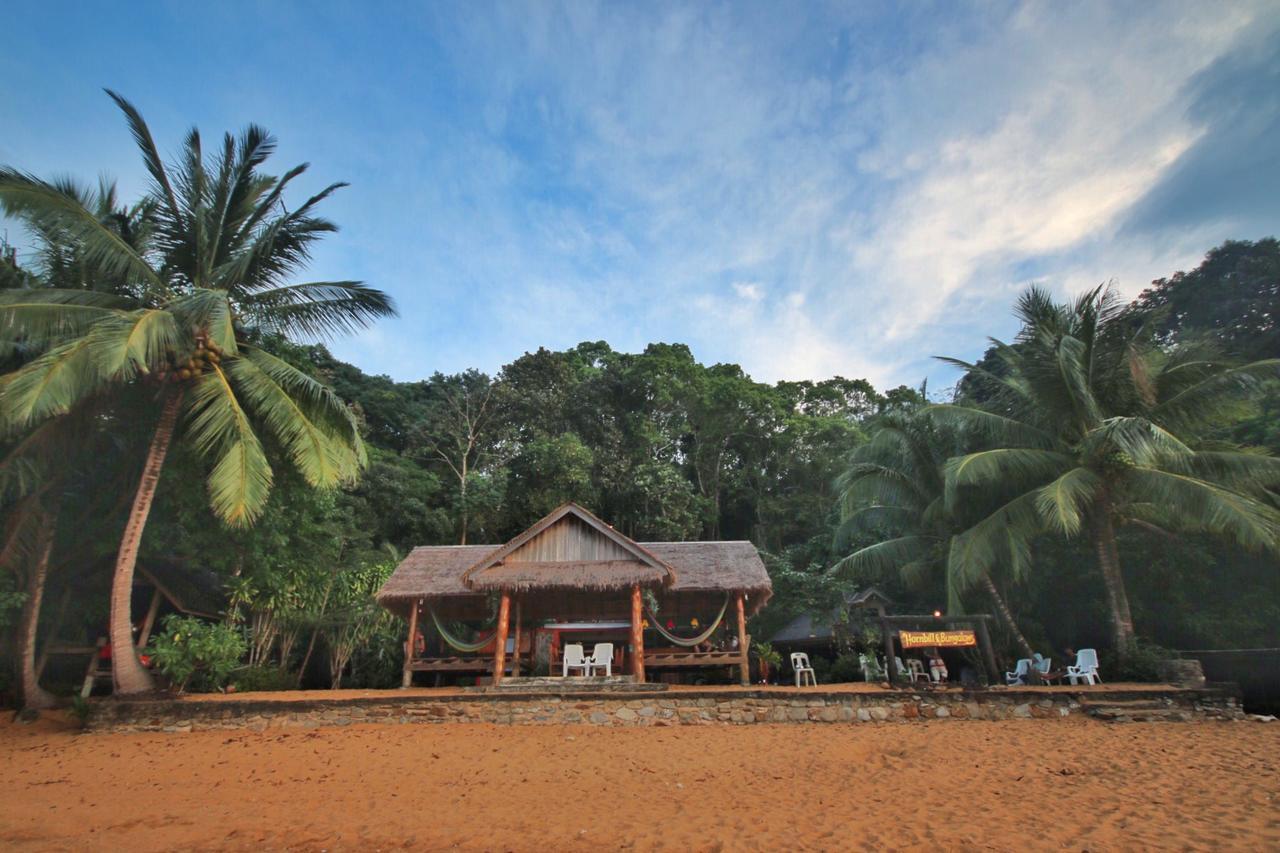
{"x": 1202, "y": 403}
{"x": 978, "y": 550}
{"x": 1015, "y": 467}
{"x": 881, "y": 557}
{"x": 323, "y": 458}
{"x": 322, "y": 309}
{"x": 219, "y": 428}
{"x": 43, "y": 206}
{"x": 1197, "y": 505}
{"x": 1064, "y": 502}
{"x": 989, "y": 426}
{"x": 49, "y": 385}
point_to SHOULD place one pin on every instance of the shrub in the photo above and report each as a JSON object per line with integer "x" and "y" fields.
{"x": 253, "y": 679}
{"x": 846, "y": 667}
{"x": 191, "y": 649}
{"x": 1142, "y": 663}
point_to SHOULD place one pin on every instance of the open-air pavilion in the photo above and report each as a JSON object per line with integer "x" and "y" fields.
{"x": 572, "y": 578}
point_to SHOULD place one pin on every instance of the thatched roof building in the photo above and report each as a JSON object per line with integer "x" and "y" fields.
{"x": 571, "y": 567}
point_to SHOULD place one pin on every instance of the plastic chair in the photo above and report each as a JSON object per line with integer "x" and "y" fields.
{"x": 871, "y": 670}
{"x": 574, "y": 659}
{"x": 1086, "y": 667}
{"x": 1020, "y": 672}
{"x": 1042, "y": 665}
{"x": 800, "y": 663}
{"x": 916, "y": 667}
{"x": 601, "y": 658}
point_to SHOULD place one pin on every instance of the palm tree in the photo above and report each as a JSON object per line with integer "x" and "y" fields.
{"x": 894, "y": 485}
{"x": 189, "y": 311}
{"x": 1091, "y": 426}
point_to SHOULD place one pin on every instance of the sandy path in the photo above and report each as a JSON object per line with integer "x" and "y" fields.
{"x": 950, "y": 785}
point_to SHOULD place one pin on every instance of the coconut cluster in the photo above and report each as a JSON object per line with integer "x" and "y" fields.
{"x": 204, "y": 357}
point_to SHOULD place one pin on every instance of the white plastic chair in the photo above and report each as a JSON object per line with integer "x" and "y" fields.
{"x": 1042, "y": 665}
{"x": 1020, "y": 672}
{"x": 907, "y": 672}
{"x": 804, "y": 672}
{"x": 574, "y": 659}
{"x": 601, "y": 658}
{"x": 916, "y": 667}
{"x": 1086, "y": 667}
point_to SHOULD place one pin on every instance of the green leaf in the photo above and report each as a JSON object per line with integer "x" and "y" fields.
{"x": 219, "y": 428}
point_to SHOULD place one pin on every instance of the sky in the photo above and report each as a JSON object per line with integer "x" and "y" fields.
{"x": 805, "y": 189}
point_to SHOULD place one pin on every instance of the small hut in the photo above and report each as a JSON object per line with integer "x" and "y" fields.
{"x": 573, "y": 578}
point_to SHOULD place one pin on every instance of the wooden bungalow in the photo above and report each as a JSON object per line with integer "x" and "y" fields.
{"x": 573, "y": 578}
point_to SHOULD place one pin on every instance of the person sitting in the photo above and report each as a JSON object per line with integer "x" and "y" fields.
{"x": 937, "y": 666}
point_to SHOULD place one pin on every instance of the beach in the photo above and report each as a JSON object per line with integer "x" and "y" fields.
{"x": 1015, "y": 785}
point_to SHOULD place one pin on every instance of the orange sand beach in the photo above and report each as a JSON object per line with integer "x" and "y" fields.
{"x": 1075, "y": 784}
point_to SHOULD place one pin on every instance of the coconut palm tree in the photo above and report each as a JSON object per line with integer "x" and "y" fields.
{"x": 185, "y": 320}
{"x": 894, "y": 486}
{"x": 1090, "y": 427}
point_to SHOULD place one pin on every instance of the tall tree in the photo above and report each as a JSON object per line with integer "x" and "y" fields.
{"x": 209, "y": 282}
{"x": 1091, "y": 426}
{"x": 894, "y": 489}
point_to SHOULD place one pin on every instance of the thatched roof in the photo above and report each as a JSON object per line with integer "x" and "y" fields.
{"x": 566, "y": 574}
{"x": 453, "y": 571}
{"x": 579, "y": 541}
{"x": 433, "y": 571}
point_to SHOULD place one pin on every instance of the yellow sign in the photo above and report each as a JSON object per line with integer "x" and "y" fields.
{"x": 925, "y": 639}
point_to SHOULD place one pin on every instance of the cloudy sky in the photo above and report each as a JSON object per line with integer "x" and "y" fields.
{"x": 806, "y": 189}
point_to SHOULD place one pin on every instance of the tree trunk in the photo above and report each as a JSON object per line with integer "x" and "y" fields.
{"x": 1104, "y": 540}
{"x": 127, "y": 673}
{"x": 34, "y": 697}
{"x": 324, "y": 602}
{"x": 1007, "y": 615}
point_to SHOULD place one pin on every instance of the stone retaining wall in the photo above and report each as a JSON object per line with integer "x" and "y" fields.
{"x": 658, "y": 709}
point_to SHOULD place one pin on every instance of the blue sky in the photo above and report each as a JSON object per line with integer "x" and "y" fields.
{"x": 807, "y": 189}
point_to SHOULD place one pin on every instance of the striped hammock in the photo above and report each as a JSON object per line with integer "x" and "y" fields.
{"x": 454, "y": 642}
{"x": 681, "y": 641}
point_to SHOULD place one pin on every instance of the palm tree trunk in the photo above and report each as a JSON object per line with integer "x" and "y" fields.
{"x": 1007, "y": 615}
{"x": 1104, "y": 540}
{"x": 127, "y": 672}
{"x": 34, "y": 697}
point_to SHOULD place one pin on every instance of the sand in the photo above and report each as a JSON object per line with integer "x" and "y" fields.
{"x": 1076, "y": 784}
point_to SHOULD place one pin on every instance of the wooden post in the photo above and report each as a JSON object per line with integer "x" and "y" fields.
{"x": 150, "y": 620}
{"x": 744, "y": 664}
{"x": 500, "y": 652}
{"x": 988, "y": 653}
{"x": 890, "y": 664}
{"x": 637, "y": 634}
{"x": 515, "y": 655}
{"x": 406, "y": 680}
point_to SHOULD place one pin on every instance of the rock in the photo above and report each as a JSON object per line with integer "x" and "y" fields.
{"x": 942, "y": 712}
{"x": 625, "y": 714}
{"x": 599, "y": 717}
{"x": 880, "y": 714}
{"x": 864, "y": 716}
{"x": 1023, "y": 710}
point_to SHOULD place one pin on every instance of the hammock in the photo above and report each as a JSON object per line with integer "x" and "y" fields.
{"x": 454, "y": 642}
{"x": 690, "y": 643}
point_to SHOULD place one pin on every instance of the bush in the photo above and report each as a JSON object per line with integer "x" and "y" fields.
{"x": 254, "y": 679}
{"x": 1141, "y": 664}
{"x": 846, "y": 667}
{"x": 202, "y": 654}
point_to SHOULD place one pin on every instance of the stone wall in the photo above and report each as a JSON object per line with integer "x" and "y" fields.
{"x": 663, "y": 709}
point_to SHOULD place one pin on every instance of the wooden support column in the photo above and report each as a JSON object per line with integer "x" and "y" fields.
{"x": 500, "y": 652}
{"x": 406, "y": 680}
{"x": 744, "y": 664}
{"x": 637, "y": 634}
{"x": 515, "y": 655}
{"x": 890, "y": 663}
{"x": 988, "y": 653}
{"x": 150, "y": 620}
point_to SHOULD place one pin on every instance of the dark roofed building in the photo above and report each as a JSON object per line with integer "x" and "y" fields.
{"x": 571, "y": 572}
